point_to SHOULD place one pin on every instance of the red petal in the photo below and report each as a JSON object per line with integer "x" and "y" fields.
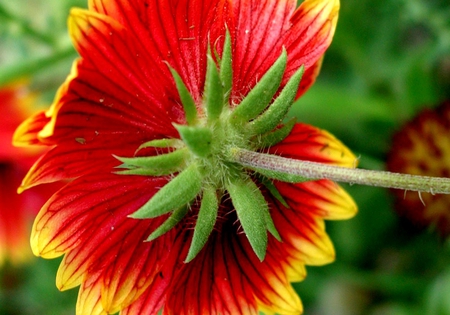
{"x": 82, "y": 156}
{"x": 258, "y": 29}
{"x": 228, "y": 278}
{"x": 313, "y": 26}
{"x": 96, "y": 203}
{"x": 262, "y": 28}
{"x": 27, "y": 132}
{"x": 309, "y": 77}
{"x": 173, "y": 32}
{"x": 117, "y": 76}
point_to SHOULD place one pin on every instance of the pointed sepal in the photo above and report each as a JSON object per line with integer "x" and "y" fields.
{"x": 213, "y": 95}
{"x": 186, "y": 98}
{"x": 157, "y": 165}
{"x": 161, "y": 143}
{"x": 277, "y": 135}
{"x": 226, "y": 67}
{"x": 278, "y": 110}
{"x": 273, "y": 190}
{"x": 198, "y": 139}
{"x": 262, "y": 94}
{"x": 179, "y": 192}
{"x": 169, "y": 224}
{"x": 251, "y": 208}
{"x": 206, "y": 220}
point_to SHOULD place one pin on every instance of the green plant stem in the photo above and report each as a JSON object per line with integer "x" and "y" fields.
{"x": 25, "y": 27}
{"x": 314, "y": 171}
{"x": 32, "y": 66}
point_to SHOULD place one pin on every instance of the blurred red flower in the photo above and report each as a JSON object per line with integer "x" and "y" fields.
{"x": 422, "y": 147}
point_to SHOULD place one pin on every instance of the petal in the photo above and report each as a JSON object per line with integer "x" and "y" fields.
{"x": 227, "y": 277}
{"x": 257, "y": 32}
{"x": 82, "y": 156}
{"x": 116, "y": 77}
{"x": 154, "y": 297}
{"x": 302, "y": 231}
{"x": 309, "y": 77}
{"x": 27, "y": 132}
{"x": 71, "y": 214}
{"x": 312, "y": 144}
{"x": 89, "y": 298}
{"x": 262, "y": 28}
{"x": 322, "y": 198}
{"x": 176, "y": 32}
{"x": 313, "y": 27}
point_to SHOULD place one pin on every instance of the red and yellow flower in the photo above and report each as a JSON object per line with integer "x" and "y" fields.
{"x": 157, "y": 215}
{"x": 16, "y": 212}
{"x": 422, "y": 147}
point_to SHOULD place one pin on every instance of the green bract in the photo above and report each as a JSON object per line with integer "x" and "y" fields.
{"x": 199, "y": 163}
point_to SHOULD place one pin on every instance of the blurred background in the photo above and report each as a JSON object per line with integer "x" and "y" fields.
{"x": 389, "y": 61}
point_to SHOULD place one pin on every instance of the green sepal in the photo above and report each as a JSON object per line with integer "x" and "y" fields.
{"x": 273, "y": 190}
{"x": 206, "y": 220}
{"x": 169, "y": 224}
{"x": 154, "y": 165}
{"x": 186, "y": 98}
{"x": 161, "y": 143}
{"x": 250, "y": 207}
{"x": 177, "y": 193}
{"x": 226, "y": 66}
{"x": 261, "y": 95}
{"x": 278, "y": 110}
{"x": 150, "y": 172}
{"x": 198, "y": 139}
{"x": 213, "y": 95}
{"x": 271, "y": 138}
{"x": 284, "y": 177}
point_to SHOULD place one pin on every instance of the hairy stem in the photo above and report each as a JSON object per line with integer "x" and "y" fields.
{"x": 314, "y": 171}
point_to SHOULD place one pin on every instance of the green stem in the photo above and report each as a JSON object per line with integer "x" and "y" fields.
{"x": 25, "y": 27}
{"x": 314, "y": 171}
{"x": 32, "y": 66}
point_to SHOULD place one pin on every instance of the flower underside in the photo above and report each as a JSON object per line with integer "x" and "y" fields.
{"x": 200, "y": 162}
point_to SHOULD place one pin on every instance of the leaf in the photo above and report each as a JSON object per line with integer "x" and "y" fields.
{"x": 273, "y": 190}
{"x": 186, "y": 98}
{"x": 155, "y": 165}
{"x": 269, "y": 139}
{"x": 226, "y": 67}
{"x": 198, "y": 139}
{"x": 169, "y": 224}
{"x": 177, "y": 193}
{"x": 206, "y": 220}
{"x": 161, "y": 143}
{"x": 278, "y": 110}
{"x": 213, "y": 95}
{"x": 250, "y": 206}
{"x": 261, "y": 95}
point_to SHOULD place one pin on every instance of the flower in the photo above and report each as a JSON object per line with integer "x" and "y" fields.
{"x": 143, "y": 128}
{"x": 16, "y": 212}
{"x": 422, "y": 147}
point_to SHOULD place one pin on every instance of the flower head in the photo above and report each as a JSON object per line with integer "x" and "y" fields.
{"x": 16, "y": 212}
{"x": 157, "y": 214}
{"x": 422, "y": 147}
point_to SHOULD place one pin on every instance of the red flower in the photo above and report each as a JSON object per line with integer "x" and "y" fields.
{"x": 16, "y": 212}
{"x": 422, "y": 147}
{"x": 121, "y": 99}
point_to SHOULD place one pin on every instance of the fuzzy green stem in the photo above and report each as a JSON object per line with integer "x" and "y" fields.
{"x": 315, "y": 171}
